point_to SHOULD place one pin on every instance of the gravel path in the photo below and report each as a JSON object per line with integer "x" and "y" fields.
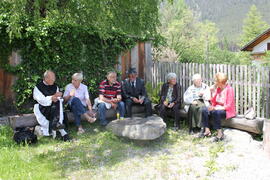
{"x": 239, "y": 157}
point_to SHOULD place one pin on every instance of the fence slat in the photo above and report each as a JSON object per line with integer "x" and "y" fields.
{"x": 251, "y": 84}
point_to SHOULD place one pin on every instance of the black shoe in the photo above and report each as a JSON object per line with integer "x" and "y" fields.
{"x": 66, "y": 138}
{"x": 191, "y": 132}
{"x": 218, "y": 139}
{"x": 202, "y": 130}
{"x": 57, "y": 125}
{"x": 202, "y": 135}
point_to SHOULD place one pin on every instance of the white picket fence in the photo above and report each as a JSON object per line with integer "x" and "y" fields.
{"x": 251, "y": 84}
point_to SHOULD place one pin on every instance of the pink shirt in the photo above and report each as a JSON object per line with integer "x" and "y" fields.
{"x": 81, "y": 92}
{"x": 225, "y": 97}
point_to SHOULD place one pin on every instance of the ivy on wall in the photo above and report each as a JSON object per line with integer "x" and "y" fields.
{"x": 68, "y": 36}
{"x": 65, "y": 49}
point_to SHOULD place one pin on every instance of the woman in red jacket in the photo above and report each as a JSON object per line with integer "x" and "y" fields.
{"x": 222, "y": 106}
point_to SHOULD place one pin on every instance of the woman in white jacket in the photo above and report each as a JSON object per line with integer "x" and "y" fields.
{"x": 196, "y": 97}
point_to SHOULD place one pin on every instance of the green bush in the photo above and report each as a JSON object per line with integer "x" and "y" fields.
{"x": 153, "y": 93}
{"x": 65, "y": 49}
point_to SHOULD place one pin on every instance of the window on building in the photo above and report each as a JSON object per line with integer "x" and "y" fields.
{"x": 268, "y": 46}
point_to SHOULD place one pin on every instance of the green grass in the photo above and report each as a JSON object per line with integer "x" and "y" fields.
{"x": 98, "y": 154}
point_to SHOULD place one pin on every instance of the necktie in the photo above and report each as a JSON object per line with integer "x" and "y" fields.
{"x": 133, "y": 87}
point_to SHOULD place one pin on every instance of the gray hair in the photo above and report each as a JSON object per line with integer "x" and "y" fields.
{"x": 46, "y": 73}
{"x": 196, "y": 77}
{"x": 171, "y": 76}
{"x": 77, "y": 76}
{"x": 111, "y": 72}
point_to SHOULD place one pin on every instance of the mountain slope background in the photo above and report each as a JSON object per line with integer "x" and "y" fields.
{"x": 228, "y": 14}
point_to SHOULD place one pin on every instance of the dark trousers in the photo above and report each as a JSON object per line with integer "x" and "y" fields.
{"x": 216, "y": 115}
{"x": 52, "y": 113}
{"x": 146, "y": 103}
{"x": 77, "y": 109}
{"x": 164, "y": 111}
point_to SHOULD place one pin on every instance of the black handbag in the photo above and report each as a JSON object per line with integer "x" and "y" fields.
{"x": 25, "y": 135}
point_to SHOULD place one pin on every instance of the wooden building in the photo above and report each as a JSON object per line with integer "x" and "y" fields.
{"x": 7, "y": 79}
{"x": 258, "y": 46}
{"x": 139, "y": 57}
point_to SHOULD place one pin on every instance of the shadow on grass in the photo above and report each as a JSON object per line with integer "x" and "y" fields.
{"x": 100, "y": 148}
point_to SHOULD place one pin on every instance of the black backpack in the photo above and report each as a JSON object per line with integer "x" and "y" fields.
{"x": 25, "y": 135}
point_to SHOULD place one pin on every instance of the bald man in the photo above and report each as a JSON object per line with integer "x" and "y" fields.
{"x": 49, "y": 108}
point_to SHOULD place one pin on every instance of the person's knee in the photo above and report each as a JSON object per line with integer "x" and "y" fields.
{"x": 101, "y": 106}
{"x": 121, "y": 104}
{"x": 147, "y": 101}
{"x": 128, "y": 102}
{"x": 204, "y": 110}
{"x": 217, "y": 113}
{"x": 75, "y": 100}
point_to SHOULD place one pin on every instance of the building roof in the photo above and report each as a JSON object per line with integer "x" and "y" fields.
{"x": 249, "y": 46}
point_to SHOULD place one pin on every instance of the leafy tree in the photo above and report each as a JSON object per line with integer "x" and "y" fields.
{"x": 193, "y": 40}
{"x": 138, "y": 17}
{"x": 68, "y": 36}
{"x": 253, "y": 26}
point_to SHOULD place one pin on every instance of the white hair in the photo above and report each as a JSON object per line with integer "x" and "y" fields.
{"x": 171, "y": 76}
{"x": 196, "y": 77}
{"x": 111, "y": 72}
{"x": 46, "y": 73}
{"x": 77, "y": 76}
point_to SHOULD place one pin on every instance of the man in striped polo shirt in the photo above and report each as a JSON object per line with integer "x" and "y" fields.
{"x": 110, "y": 97}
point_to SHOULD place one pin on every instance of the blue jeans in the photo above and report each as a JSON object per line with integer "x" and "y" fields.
{"x": 216, "y": 115}
{"x": 77, "y": 109}
{"x": 102, "y": 111}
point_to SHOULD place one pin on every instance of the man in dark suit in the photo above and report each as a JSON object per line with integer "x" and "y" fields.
{"x": 133, "y": 92}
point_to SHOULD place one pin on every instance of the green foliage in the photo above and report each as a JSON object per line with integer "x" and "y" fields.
{"x": 138, "y": 17}
{"x": 191, "y": 39}
{"x": 253, "y": 26}
{"x": 65, "y": 49}
{"x": 70, "y": 36}
{"x": 153, "y": 93}
{"x": 6, "y": 134}
{"x": 228, "y": 15}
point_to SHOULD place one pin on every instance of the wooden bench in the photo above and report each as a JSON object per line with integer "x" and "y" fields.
{"x": 28, "y": 120}
{"x": 253, "y": 126}
{"x": 238, "y": 122}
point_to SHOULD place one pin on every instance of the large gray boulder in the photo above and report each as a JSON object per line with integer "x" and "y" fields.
{"x": 138, "y": 128}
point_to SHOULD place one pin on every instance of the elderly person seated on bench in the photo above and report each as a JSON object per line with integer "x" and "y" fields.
{"x": 170, "y": 99}
{"x": 49, "y": 108}
{"x": 133, "y": 92}
{"x": 196, "y": 97}
{"x": 222, "y": 106}
{"x": 109, "y": 97}
{"x": 77, "y": 96}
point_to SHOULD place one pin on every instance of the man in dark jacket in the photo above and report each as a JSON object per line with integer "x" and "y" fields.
{"x": 133, "y": 91}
